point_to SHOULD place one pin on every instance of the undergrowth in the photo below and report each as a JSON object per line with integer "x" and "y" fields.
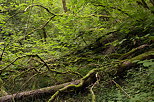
{"x": 137, "y": 82}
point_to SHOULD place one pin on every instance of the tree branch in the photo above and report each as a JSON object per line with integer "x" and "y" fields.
{"x": 35, "y": 93}
{"x": 41, "y": 7}
{"x": 113, "y": 8}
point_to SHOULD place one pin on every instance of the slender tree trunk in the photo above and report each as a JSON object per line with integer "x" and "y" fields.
{"x": 44, "y": 34}
{"x": 145, "y": 4}
{"x": 64, "y": 5}
{"x": 152, "y": 2}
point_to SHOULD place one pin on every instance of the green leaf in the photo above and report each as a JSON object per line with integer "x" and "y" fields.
{"x": 148, "y": 64}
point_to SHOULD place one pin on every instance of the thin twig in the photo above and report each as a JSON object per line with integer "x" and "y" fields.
{"x": 118, "y": 86}
{"x": 41, "y": 27}
{"x": 91, "y": 89}
{"x": 124, "y": 12}
{"x": 3, "y": 51}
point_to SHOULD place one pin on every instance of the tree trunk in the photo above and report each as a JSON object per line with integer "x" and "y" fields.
{"x": 34, "y": 94}
{"x": 64, "y": 5}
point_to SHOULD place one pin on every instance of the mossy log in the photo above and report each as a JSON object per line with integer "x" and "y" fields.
{"x": 34, "y": 94}
{"x": 98, "y": 43}
{"x": 128, "y": 63}
{"x": 124, "y": 56}
{"x": 87, "y": 80}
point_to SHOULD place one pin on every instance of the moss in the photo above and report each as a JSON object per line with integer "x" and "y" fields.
{"x": 129, "y": 62}
{"x": 83, "y": 81}
{"x": 142, "y": 56}
{"x": 133, "y": 51}
{"x": 115, "y": 55}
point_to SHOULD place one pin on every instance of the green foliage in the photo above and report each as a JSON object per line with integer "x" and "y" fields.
{"x": 146, "y": 63}
{"x": 138, "y": 84}
{"x": 40, "y": 27}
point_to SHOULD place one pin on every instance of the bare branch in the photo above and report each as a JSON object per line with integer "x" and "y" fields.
{"x": 121, "y": 89}
{"x": 124, "y": 12}
{"x": 41, "y": 7}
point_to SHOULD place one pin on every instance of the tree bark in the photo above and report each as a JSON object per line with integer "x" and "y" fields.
{"x": 64, "y": 5}
{"x": 28, "y": 95}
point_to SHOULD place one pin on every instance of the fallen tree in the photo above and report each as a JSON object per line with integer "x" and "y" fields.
{"x": 28, "y": 95}
{"x": 81, "y": 84}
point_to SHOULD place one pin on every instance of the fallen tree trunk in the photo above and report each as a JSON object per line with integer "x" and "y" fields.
{"x": 99, "y": 43}
{"x": 28, "y": 95}
{"x": 87, "y": 80}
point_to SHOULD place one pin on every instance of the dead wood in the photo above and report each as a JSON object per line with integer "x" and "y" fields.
{"x": 99, "y": 43}
{"x": 126, "y": 55}
{"x": 36, "y": 93}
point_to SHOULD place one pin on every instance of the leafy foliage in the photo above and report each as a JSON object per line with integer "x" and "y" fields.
{"x": 40, "y": 42}
{"x": 138, "y": 85}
